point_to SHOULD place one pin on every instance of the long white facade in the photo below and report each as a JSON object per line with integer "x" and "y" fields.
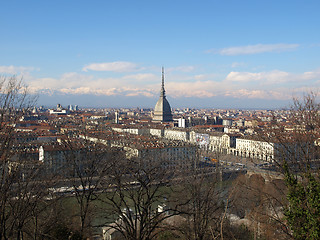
{"x": 254, "y": 149}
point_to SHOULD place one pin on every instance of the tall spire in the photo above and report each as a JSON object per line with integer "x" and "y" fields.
{"x": 162, "y": 110}
{"x": 162, "y": 93}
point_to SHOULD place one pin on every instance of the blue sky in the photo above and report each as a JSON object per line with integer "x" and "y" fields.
{"x": 230, "y": 54}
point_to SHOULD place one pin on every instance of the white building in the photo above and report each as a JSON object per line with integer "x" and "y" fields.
{"x": 254, "y": 149}
{"x": 181, "y": 123}
{"x": 58, "y": 112}
{"x": 157, "y": 132}
{"x": 176, "y": 135}
{"x": 136, "y": 131}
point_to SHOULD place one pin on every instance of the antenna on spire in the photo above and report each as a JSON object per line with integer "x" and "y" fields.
{"x": 162, "y": 76}
{"x": 162, "y": 92}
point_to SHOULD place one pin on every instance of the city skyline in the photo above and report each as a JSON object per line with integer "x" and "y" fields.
{"x": 249, "y": 54}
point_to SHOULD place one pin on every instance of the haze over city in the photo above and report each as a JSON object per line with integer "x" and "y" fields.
{"x": 217, "y": 54}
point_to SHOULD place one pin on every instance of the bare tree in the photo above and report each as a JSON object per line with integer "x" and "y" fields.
{"x": 19, "y": 191}
{"x": 87, "y": 167}
{"x": 203, "y": 206}
{"x": 28, "y": 197}
{"x": 296, "y": 148}
{"x": 138, "y": 201}
{"x": 260, "y": 203}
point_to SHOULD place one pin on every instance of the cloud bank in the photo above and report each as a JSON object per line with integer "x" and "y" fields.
{"x": 255, "y": 49}
{"x": 111, "y": 67}
{"x": 15, "y": 69}
{"x": 180, "y": 84}
{"x": 270, "y": 85}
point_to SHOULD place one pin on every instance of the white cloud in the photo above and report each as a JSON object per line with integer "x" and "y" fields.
{"x": 194, "y": 89}
{"x": 255, "y": 49}
{"x": 243, "y": 77}
{"x": 201, "y": 77}
{"x": 260, "y": 94}
{"x": 15, "y": 69}
{"x": 274, "y": 76}
{"x": 275, "y": 84}
{"x": 141, "y": 77}
{"x": 140, "y": 92}
{"x": 111, "y": 66}
{"x": 181, "y": 69}
{"x": 75, "y": 83}
{"x": 35, "y": 85}
{"x": 311, "y": 75}
{"x": 246, "y": 85}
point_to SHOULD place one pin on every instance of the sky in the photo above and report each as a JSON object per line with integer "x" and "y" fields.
{"x": 216, "y": 54}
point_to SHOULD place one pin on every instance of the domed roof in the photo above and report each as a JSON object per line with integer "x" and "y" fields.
{"x": 162, "y": 110}
{"x": 162, "y": 105}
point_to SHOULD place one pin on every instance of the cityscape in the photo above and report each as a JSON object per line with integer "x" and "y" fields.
{"x": 142, "y": 120}
{"x": 86, "y": 156}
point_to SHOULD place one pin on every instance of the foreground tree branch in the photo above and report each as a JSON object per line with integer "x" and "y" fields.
{"x": 297, "y": 155}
